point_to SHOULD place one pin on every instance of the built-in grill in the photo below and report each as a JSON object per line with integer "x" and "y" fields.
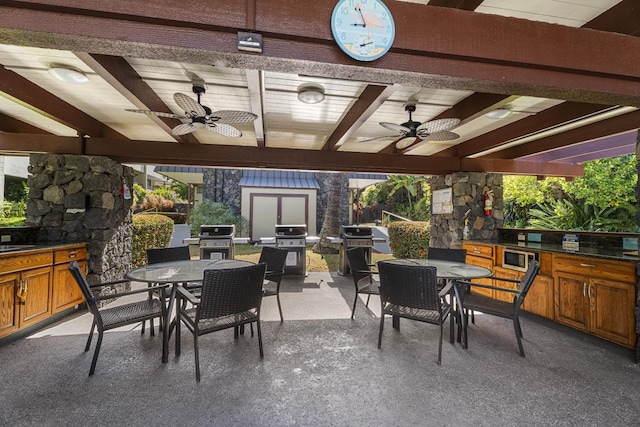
{"x": 354, "y": 236}
{"x": 293, "y": 238}
{"x": 216, "y": 241}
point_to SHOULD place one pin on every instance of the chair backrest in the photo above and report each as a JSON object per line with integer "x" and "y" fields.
{"x": 358, "y": 264}
{"x": 77, "y": 274}
{"x": 275, "y": 259}
{"x": 445, "y": 254}
{"x": 231, "y": 290}
{"x": 527, "y": 281}
{"x": 414, "y": 286}
{"x": 176, "y": 253}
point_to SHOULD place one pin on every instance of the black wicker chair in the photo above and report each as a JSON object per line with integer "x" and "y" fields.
{"x": 158, "y": 255}
{"x": 411, "y": 291}
{"x": 361, "y": 271}
{"x": 112, "y": 317}
{"x": 509, "y": 310}
{"x": 456, "y": 255}
{"x": 229, "y": 298}
{"x": 275, "y": 258}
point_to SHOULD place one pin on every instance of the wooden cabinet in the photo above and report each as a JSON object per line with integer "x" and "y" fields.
{"x": 596, "y": 296}
{"x": 505, "y": 273}
{"x": 25, "y": 290}
{"x": 539, "y": 299}
{"x": 37, "y": 284}
{"x": 66, "y": 292}
{"x": 480, "y": 255}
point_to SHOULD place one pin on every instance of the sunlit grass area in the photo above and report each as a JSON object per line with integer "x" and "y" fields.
{"x": 315, "y": 262}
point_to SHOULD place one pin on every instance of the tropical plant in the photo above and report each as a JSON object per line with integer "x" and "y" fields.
{"x": 209, "y": 212}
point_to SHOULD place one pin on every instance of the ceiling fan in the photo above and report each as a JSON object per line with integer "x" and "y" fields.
{"x": 200, "y": 116}
{"x": 410, "y": 131}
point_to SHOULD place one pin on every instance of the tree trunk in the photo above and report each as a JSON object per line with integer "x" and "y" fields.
{"x": 331, "y": 223}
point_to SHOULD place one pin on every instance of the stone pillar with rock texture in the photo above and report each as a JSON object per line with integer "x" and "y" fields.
{"x": 80, "y": 199}
{"x": 468, "y": 189}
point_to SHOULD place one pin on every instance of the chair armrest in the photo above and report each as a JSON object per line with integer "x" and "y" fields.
{"x": 497, "y": 288}
{"x": 133, "y": 292}
{"x": 188, "y": 295}
{"x": 447, "y": 289}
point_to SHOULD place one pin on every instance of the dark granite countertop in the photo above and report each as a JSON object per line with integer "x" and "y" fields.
{"x": 594, "y": 252}
{"x": 25, "y": 248}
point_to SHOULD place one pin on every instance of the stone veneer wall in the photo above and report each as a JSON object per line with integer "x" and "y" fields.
{"x": 79, "y": 199}
{"x": 222, "y": 186}
{"x": 468, "y": 189}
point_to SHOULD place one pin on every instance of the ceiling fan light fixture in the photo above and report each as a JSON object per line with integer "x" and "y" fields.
{"x": 498, "y": 113}
{"x": 310, "y": 93}
{"x": 68, "y": 75}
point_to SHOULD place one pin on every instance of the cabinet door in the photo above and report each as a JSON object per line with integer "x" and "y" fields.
{"x": 612, "y": 304}
{"x": 8, "y": 307}
{"x": 66, "y": 292}
{"x": 505, "y": 273}
{"x": 571, "y": 302}
{"x": 37, "y": 305}
{"x": 539, "y": 299}
{"x": 485, "y": 263}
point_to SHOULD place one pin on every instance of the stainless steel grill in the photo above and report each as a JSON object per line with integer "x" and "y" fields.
{"x": 216, "y": 241}
{"x": 293, "y": 238}
{"x": 354, "y": 237}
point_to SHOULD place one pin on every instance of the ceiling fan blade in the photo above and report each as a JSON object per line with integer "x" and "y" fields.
{"x": 438, "y": 125}
{"x": 405, "y": 142}
{"x": 398, "y": 128}
{"x": 189, "y": 105}
{"x": 379, "y": 138}
{"x": 185, "y": 128}
{"x": 224, "y": 130}
{"x": 156, "y": 113}
{"x": 443, "y": 135}
{"x": 233, "y": 116}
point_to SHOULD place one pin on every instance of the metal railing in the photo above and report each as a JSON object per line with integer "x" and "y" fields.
{"x": 386, "y": 217}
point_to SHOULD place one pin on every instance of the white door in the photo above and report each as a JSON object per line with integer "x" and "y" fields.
{"x": 264, "y": 216}
{"x": 293, "y": 210}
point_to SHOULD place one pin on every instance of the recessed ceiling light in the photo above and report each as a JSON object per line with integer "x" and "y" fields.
{"x": 68, "y": 75}
{"x": 310, "y": 93}
{"x": 498, "y": 113}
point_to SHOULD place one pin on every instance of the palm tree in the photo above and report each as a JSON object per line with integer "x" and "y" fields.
{"x": 331, "y": 223}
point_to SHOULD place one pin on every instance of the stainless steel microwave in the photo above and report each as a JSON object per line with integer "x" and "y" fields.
{"x": 517, "y": 260}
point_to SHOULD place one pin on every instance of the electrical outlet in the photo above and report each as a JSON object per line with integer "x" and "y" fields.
{"x": 5, "y": 238}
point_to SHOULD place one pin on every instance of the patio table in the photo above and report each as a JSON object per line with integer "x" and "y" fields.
{"x": 176, "y": 273}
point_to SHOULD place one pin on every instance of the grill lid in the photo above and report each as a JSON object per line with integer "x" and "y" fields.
{"x": 291, "y": 230}
{"x": 356, "y": 231}
{"x": 217, "y": 231}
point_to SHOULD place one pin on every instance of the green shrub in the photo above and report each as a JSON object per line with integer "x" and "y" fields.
{"x": 215, "y": 213}
{"x": 149, "y": 231}
{"x": 409, "y": 239}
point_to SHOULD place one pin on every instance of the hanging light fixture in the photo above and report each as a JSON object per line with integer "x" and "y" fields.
{"x": 498, "y": 113}
{"x": 68, "y": 75}
{"x": 311, "y": 93}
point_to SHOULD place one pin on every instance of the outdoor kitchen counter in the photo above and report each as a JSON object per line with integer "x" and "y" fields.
{"x": 616, "y": 254}
{"x": 27, "y": 248}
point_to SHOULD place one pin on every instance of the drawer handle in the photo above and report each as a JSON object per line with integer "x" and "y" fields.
{"x": 73, "y": 255}
{"x": 587, "y": 265}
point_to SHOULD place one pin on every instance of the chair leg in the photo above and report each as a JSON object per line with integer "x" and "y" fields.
{"x": 178, "y": 343}
{"x": 144, "y": 322}
{"x": 451, "y": 322}
{"x": 368, "y": 298}
{"x": 95, "y": 354}
{"x": 279, "y": 307}
{"x": 93, "y": 327}
{"x": 516, "y": 325}
{"x": 381, "y": 328}
{"x": 440, "y": 344}
{"x": 152, "y": 327}
{"x": 259, "y": 338}
{"x": 197, "y": 355}
{"x": 355, "y": 300}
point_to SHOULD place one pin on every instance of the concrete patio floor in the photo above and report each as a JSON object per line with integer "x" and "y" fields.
{"x": 321, "y": 369}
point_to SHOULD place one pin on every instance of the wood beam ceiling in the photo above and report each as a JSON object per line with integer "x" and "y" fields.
{"x": 457, "y": 4}
{"x": 10, "y": 124}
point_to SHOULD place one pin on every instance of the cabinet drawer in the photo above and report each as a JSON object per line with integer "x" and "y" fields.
{"x": 595, "y": 267}
{"x": 68, "y": 255}
{"x": 24, "y": 262}
{"x": 484, "y": 251}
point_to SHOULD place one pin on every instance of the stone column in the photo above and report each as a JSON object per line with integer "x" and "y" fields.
{"x": 467, "y": 196}
{"x": 222, "y": 186}
{"x": 79, "y": 199}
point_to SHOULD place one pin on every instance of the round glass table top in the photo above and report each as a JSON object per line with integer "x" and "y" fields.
{"x": 181, "y": 271}
{"x": 448, "y": 269}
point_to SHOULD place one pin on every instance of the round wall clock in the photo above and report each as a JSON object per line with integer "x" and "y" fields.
{"x": 363, "y": 29}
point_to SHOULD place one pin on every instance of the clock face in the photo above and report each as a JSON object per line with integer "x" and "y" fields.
{"x": 364, "y": 29}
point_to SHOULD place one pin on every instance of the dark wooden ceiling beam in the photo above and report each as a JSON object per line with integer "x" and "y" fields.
{"x": 116, "y": 71}
{"x": 623, "y": 18}
{"x": 10, "y": 124}
{"x": 562, "y": 113}
{"x": 457, "y": 4}
{"x": 367, "y": 103}
{"x": 513, "y": 167}
{"x": 255, "y": 86}
{"x": 595, "y": 146}
{"x": 623, "y": 123}
{"x": 39, "y": 143}
{"x": 34, "y": 97}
